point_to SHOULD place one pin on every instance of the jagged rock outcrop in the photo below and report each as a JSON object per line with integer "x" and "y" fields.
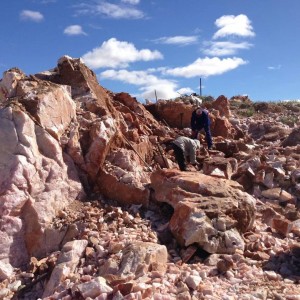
{"x": 8, "y": 83}
{"x": 105, "y": 122}
{"x": 222, "y": 105}
{"x": 222, "y": 127}
{"x": 66, "y": 264}
{"x": 59, "y": 127}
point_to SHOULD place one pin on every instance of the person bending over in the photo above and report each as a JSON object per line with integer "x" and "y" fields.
{"x": 185, "y": 148}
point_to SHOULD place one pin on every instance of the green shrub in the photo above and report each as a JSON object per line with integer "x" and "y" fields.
{"x": 249, "y": 112}
{"x": 207, "y": 99}
{"x": 289, "y": 120}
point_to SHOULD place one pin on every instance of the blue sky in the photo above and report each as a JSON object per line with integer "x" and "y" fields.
{"x": 236, "y": 47}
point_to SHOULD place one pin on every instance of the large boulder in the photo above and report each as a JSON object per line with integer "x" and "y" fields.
{"x": 141, "y": 257}
{"x": 208, "y": 211}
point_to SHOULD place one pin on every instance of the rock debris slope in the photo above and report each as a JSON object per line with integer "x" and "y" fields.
{"x": 93, "y": 205}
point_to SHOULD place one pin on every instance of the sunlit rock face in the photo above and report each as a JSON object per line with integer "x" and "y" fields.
{"x": 36, "y": 180}
{"x": 49, "y": 104}
{"x": 9, "y": 82}
{"x": 208, "y": 211}
{"x": 222, "y": 105}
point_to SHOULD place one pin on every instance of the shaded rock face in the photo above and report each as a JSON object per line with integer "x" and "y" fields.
{"x": 207, "y": 211}
{"x": 293, "y": 139}
{"x": 175, "y": 114}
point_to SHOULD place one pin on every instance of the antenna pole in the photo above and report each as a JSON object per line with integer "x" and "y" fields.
{"x": 200, "y": 88}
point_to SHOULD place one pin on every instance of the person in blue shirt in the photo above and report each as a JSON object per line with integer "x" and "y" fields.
{"x": 200, "y": 120}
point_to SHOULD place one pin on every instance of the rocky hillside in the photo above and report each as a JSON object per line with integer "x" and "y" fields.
{"x": 93, "y": 205}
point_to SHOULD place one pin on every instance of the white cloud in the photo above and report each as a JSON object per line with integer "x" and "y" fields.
{"x": 110, "y": 10}
{"x": 234, "y": 25}
{"x": 207, "y": 67}
{"x": 165, "y": 89}
{"x": 185, "y": 91}
{"x": 225, "y": 48}
{"x": 278, "y": 67}
{"x": 113, "y": 53}
{"x": 48, "y": 1}
{"x": 31, "y": 16}
{"x": 133, "y": 2}
{"x": 178, "y": 40}
{"x": 74, "y": 30}
{"x": 132, "y": 77}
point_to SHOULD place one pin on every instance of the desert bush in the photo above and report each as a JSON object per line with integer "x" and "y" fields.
{"x": 248, "y": 112}
{"x": 290, "y": 120}
{"x": 207, "y": 99}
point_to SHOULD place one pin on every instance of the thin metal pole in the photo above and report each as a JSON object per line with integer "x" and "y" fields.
{"x": 200, "y": 88}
